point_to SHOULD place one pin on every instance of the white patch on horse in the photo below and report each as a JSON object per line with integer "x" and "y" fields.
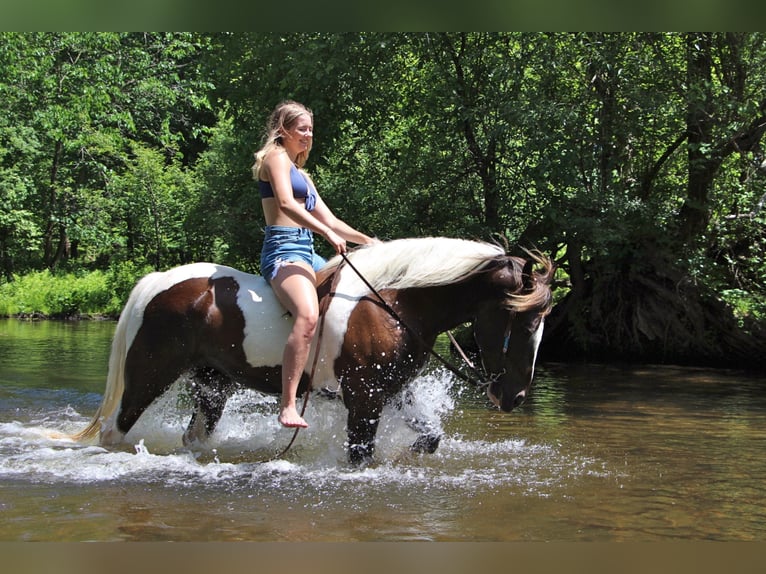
{"x": 538, "y": 336}
{"x": 267, "y": 323}
{"x": 348, "y": 291}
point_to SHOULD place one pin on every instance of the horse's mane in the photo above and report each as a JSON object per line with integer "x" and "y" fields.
{"x": 538, "y": 296}
{"x": 421, "y": 262}
{"x": 434, "y": 261}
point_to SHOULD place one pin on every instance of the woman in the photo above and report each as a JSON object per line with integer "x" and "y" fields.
{"x": 294, "y": 211}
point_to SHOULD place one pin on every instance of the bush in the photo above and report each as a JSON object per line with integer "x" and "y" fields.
{"x": 25, "y": 295}
{"x": 70, "y": 294}
{"x": 745, "y": 305}
{"x": 122, "y": 278}
{"x": 55, "y": 295}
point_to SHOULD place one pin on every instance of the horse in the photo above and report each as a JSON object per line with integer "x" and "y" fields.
{"x": 383, "y": 310}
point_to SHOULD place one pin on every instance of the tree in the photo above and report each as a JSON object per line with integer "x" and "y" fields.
{"x": 575, "y": 143}
{"x": 87, "y": 97}
{"x": 19, "y": 233}
{"x": 641, "y": 287}
{"x": 634, "y": 159}
{"x": 155, "y": 198}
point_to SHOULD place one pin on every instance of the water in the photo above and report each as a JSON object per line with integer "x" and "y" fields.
{"x": 596, "y": 454}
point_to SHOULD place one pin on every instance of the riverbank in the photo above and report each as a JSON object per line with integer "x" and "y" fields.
{"x": 78, "y": 294}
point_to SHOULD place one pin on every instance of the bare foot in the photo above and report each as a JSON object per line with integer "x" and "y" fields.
{"x": 290, "y": 418}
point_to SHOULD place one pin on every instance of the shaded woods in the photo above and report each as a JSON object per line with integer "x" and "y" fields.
{"x": 632, "y": 159}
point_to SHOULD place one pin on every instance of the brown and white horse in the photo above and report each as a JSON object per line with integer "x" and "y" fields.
{"x": 226, "y": 329}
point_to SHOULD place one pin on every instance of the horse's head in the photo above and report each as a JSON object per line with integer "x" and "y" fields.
{"x": 508, "y": 329}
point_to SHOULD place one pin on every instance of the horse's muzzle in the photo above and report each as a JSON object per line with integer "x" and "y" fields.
{"x": 506, "y": 404}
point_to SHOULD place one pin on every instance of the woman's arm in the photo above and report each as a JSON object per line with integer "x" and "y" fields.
{"x": 323, "y": 213}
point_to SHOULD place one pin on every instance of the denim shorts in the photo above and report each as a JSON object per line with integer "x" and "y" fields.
{"x": 287, "y": 245}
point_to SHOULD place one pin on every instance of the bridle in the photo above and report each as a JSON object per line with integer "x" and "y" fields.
{"x": 486, "y": 378}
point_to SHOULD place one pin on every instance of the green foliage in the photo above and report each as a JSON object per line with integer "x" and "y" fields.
{"x": 120, "y": 280}
{"x": 223, "y": 224}
{"x": 78, "y": 106}
{"x": 55, "y": 295}
{"x": 74, "y": 294}
{"x": 616, "y": 152}
{"x": 746, "y": 305}
{"x": 152, "y": 199}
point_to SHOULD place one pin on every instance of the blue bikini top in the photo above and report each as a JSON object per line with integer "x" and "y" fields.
{"x": 302, "y": 188}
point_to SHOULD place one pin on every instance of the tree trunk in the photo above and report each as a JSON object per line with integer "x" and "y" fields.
{"x": 483, "y": 161}
{"x": 50, "y": 208}
{"x": 702, "y": 161}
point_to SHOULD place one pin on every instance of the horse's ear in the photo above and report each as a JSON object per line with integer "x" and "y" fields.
{"x": 527, "y": 272}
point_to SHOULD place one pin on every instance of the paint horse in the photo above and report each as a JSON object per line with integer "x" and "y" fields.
{"x": 225, "y": 329}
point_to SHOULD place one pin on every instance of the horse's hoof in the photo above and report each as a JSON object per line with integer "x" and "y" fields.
{"x": 426, "y": 444}
{"x": 360, "y": 456}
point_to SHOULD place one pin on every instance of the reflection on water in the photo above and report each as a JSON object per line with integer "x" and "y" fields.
{"x": 596, "y": 453}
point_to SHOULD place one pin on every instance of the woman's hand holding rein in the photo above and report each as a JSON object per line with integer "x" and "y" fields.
{"x": 338, "y": 243}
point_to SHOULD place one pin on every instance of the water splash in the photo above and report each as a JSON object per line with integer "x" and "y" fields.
{"x": 249, "y": 434}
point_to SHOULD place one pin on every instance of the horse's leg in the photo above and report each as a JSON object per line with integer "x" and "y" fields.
{"x": 363, "y": 419}
{"x": 147, "y": 376}
{"x": 210, "y": 389}
{"x": 430, "y": 434}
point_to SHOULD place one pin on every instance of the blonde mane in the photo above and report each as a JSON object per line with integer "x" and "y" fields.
{"x": 421, "y": 262}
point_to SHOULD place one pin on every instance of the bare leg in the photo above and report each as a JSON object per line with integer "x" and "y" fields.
{"x": 295, "y": 287}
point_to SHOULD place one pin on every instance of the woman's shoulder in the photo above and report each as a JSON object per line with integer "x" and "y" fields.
{"x": 275, "y": 160}
{"x": 277, "y": 154}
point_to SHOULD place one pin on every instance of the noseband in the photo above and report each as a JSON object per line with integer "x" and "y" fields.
{"x": 487, "y": 378}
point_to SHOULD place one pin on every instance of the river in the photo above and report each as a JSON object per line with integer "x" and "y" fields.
{"x": 597, "y": 453}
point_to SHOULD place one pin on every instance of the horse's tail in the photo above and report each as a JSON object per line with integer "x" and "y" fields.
{"x": 115, "y": 381}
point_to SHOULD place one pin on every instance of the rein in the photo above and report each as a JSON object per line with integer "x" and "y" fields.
{"x": 480, "y": 379}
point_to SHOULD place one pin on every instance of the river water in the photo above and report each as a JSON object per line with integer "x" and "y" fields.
{"x": 598, "y": 453}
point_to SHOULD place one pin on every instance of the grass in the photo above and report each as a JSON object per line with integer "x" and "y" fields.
{"x": 69, "y": 294}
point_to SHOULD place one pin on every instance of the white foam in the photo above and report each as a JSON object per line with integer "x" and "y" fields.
{"x": 248, "y": 434}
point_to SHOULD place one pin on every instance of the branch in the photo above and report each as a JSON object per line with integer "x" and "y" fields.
{"x": 746, "y": 140}
{"x": 648, "y": 179}
{"x": 751, "y": 215}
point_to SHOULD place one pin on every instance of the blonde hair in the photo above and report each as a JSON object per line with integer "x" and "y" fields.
{"x": 281, "y": 119}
